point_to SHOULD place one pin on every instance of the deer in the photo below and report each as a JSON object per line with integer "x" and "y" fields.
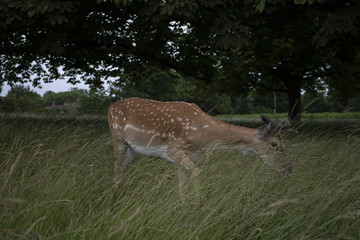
{"x": 178, "y": 131}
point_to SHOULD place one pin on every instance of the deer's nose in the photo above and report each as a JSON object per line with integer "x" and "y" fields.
{"x": 286, "y": 168}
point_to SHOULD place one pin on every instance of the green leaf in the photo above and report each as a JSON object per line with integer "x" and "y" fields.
{"x": 60, "y": 19}
{"x": 31, "y": 12}
{"x": 44, "y": 8}
{"x": 169, "y": 10}
{"x": 299, "y": 1}
{"x": 52, "y": 21}
{"x": 118, "y": 2}
{"x": 13, "y": 4}
{"x": 260, "y": 7}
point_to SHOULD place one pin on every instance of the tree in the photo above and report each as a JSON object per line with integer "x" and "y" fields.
{"x": 21, "y": 99}
{"x": 61, "y": 97}
{"x": 96, "y": 101}
{"x": 160, "y": 85}
{"x": 286, "y": 47}
{"x": 293, "y": 48}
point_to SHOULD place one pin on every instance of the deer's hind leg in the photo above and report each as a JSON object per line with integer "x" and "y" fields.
{"x": 124, "y": 155}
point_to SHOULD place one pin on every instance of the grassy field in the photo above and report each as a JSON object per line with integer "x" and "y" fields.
{"x": 327, "y": 123}
{"x": 56, "y": 183}
{"x": 304, "y": 115}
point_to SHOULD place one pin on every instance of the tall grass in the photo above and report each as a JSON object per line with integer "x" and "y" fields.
{"x": 304, "y": 115}
{"x": 56, "y": 183}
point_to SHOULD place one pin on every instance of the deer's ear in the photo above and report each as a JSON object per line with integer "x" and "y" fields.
{"x": 265, "y": 119}
{"x": 275, "y": 124}
{"x": 264, "y": 131}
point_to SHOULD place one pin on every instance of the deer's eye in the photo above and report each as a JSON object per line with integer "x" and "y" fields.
{"x": 274, "y": 144}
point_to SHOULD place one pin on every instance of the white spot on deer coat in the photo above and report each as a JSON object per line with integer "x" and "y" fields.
{"x": 133, "y": 127}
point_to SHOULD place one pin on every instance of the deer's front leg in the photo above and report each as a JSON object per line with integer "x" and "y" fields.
{"x": 185, "y": 163}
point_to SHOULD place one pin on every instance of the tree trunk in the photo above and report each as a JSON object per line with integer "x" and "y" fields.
{"x": 293, "y": 86}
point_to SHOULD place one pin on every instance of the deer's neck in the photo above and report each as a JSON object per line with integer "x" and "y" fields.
{"x": 237, "y": 134}
{"x": 226, "y": 135}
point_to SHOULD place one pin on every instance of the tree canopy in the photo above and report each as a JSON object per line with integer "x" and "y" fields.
{"x": 231, "y": 47}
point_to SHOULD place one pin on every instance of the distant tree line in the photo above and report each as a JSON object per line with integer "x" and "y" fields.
{"x": 23, "y": 99}
{"x": 165, "y": 86}
{"x": 171, "y": 86}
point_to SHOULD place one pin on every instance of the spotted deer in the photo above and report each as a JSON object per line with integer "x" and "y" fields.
{"x": 177, "y": 131}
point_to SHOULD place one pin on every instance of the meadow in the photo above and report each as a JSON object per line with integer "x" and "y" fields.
{"x": 56, "y": 182}
{"x": 304, "y": 115}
